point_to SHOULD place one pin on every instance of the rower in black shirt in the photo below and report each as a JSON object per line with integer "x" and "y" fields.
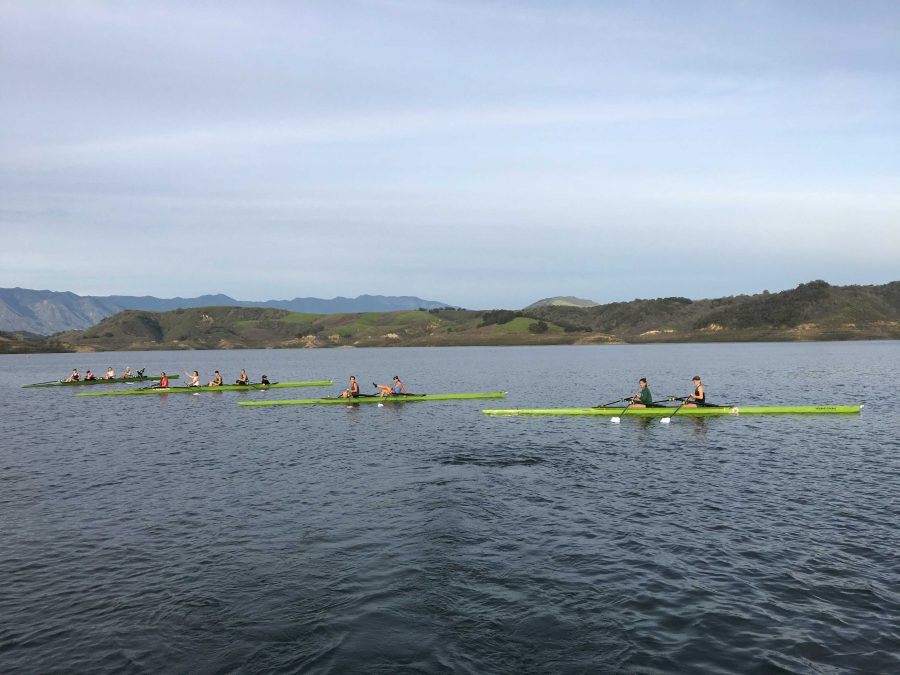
{"x": 698, "y": 398}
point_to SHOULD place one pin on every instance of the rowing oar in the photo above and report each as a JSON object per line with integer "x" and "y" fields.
{"x": 605, "y": 405}
{"x": 616, "y": 420}
{"x": 667, "y": 420}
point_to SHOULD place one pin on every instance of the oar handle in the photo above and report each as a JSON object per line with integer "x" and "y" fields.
{"x": 618, "y": 400}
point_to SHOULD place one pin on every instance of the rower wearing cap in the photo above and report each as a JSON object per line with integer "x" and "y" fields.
{"x": 698, "y": 398}
{"x": 642, "y": 399}
{"x": 394, "y": 389}
{"x": 264, "y": 380}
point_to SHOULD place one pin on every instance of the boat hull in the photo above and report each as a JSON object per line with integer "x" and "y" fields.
{"x": 703, "y": 411}
{"x": 379, "y": 399}
{"x": 79, "y": 383}
{"x": 224, "y": 387}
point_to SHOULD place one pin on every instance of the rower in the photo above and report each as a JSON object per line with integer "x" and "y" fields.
{"x": 642, "y": 399}
{"x": 352, "y": 390}
{"x": 193, "y": 380}
{"x": 243, "y": 379}
{"x": 163, "y": 381}
{"x": 264, "y": 380}
{"x": 698, "y": 398}
{"x": 89, "y": 376}
{"x": 126, "y": 373}
{"x": 394, "y": 389}
{"x": 110, "y": 374}
{"x": 216, "y": 381}
{"x": 74, "y": 377}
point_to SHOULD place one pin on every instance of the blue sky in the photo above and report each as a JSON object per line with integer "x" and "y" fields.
{"x": 485, "y": 154}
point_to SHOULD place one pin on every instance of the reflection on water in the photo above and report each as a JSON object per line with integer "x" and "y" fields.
{"x": 141, "y": 532}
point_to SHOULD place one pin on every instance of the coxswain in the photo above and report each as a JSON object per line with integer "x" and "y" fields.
{"x": 216, "y": 381}
{"x": 89, "y": 376}
{"x": 193, "y": 379}
{"x": 110, "y": 374}
{"x": 163, "y": 381}
{"x": 394, "y": 389}
{"x": 74, "y": 377}
{"x": 243, "y": 379}
{"x": 698, "y": 398}
{"x": 352, "y": 390}
{"x": 264, "y": 379}
{"x": 642, "y": 399}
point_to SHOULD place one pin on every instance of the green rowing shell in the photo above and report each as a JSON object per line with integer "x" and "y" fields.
{"x": 702, "y": 411}
{"x": 118, "y": 380}
{"x": 380, "y": 399}
{"x": 194, "y": 390}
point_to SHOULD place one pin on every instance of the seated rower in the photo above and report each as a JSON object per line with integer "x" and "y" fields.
{"x": 163, "y": 381}
{"x": 216, "y": 381}
{"x": 352, "y": 390}
{"x": 89, "y": 376}
{"x": 193, "y": 380}
{"x": 110, "y": 374}
{"x": 264, "y": 380}
{"x": 127, "y": 373}
{"x": 395, "y": 389}
{"x": 242, "y": 379}
{"x": 642, "y": 399}
{"x": 698, "y": 398}
{"x": 74, "y": 377}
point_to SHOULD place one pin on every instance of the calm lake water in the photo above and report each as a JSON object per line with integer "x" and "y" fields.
{"x": 183, "y": 533}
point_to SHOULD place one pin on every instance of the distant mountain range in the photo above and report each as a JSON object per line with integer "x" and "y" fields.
{"x": 48, "y": 312}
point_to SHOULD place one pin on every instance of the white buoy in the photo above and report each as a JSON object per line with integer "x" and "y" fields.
{"x": 614, "y": 420}
{"x": 665, "y": 420}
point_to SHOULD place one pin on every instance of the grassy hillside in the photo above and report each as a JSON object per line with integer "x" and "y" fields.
{"x": 813, "y": 311}
{"x": 241, "y": 327}
{"x": 28, "y": 343}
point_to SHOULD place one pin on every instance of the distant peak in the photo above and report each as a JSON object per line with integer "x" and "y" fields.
{"x": 563, "y": 301}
